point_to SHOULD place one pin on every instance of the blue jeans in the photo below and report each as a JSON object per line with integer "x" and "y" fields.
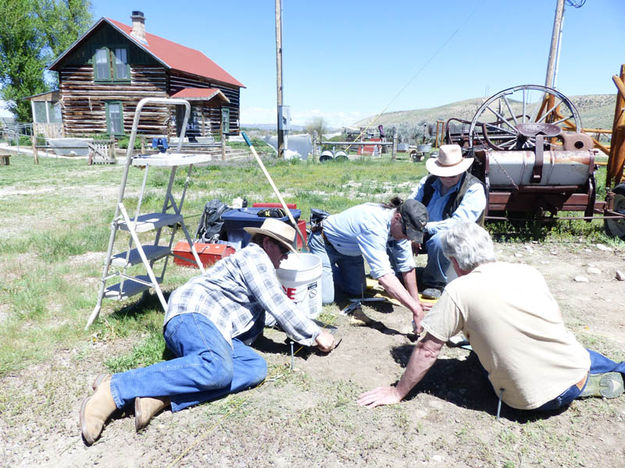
{"x": 435, "y": 272}
{"x": 599, "y": 364}
{"x": 206, "y": 367}
{"x": 343, "y": 271}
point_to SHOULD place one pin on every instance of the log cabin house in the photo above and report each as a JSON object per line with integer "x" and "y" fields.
{"x": 104, "y": 74}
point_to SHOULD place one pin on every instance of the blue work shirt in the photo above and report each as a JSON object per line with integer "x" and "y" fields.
{"x": 366, "y": 230}
{"x": 470, "y": 208}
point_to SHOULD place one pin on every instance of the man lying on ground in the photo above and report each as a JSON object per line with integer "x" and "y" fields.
{"x": 515, "y": 327}
{"x": 209, "y": 323}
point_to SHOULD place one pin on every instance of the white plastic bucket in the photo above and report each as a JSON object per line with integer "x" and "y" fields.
{"x": 300, "y": 277}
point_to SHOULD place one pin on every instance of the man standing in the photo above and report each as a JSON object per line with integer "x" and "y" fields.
{"x": 515, "y": 327}
{"x": 209, "y": 323}
{"x": 366, "y": 231}
{"x": 450, "y": 194}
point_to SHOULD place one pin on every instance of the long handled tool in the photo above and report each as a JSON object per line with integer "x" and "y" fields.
{"x": 275, "y": 189}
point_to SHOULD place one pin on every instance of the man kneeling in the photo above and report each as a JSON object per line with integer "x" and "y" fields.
{"x": 210, "y": 322}
{"x": 515, "y": 327}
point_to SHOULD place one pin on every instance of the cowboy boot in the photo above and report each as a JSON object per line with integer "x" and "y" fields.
{"x": 96, "y": 409}
{"x": 146, "y": 408}
{"x": 98, "y": 380}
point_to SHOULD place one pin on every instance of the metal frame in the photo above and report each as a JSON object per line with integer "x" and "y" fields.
{"x": 169, "y": 216}
{"x": 529, "y": 125}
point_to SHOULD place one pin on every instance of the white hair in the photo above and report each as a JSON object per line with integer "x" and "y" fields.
{"x": 468, "y": 243}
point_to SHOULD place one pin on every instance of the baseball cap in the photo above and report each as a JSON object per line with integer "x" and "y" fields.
{"x": 414, "y": 216}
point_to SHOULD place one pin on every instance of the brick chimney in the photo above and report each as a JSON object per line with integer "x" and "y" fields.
{"x": 138, "y": 26}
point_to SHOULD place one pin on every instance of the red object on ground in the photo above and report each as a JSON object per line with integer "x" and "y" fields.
{"x": 208, "y": 253}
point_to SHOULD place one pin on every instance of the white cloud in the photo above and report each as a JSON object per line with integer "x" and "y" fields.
{"x": 256, "y": 115}
{"x": 332, "y": 118}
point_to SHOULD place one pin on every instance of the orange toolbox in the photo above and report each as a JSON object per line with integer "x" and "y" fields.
{"x": 208, "y": 253}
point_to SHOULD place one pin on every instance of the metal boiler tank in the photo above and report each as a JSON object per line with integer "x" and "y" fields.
{"x": 559, "y": 168}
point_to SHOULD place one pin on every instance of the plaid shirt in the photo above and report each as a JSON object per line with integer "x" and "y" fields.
{"x": 235, "y": 293}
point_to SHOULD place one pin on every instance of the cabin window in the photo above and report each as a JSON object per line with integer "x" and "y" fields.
{"x": 121, "y": 64}
{"x": 111, "y": 64}
{"x": 40, "y": 112}
{"x": 115, "y": 118}
{"x": 225, "y": 120}
{"x": 102, "y": 69}
{"x": 55, "y": 112}
{"x": 47, "y": 112}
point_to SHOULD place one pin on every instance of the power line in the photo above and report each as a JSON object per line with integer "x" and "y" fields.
{"x": 418, "y": 72}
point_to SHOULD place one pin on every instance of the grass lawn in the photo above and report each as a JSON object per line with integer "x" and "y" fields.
{"x": 56, "y": 223}
{"x": 54, "y": 230}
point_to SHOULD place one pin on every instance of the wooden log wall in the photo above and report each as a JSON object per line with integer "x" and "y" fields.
{"x": 83, "y": 104}
{"x": 209, "y": 119}
{"x": 178, "y": 81}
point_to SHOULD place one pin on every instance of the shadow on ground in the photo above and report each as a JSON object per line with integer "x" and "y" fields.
{"x": 147, "y": 302}
{"x": 465, "y": 384}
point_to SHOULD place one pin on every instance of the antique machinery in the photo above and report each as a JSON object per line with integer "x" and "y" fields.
{"x": 533, "y": 158}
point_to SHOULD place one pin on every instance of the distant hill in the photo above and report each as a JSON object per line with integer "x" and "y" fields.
{"x": 596, "y": 110}
{"x": 269, "y": 127}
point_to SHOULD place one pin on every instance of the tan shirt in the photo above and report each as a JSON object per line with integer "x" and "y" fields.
{"x": 516, "y": 329}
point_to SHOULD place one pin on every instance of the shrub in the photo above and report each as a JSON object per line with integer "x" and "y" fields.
{"x": 24, "y": 140}
{"x": 122, "y": 142}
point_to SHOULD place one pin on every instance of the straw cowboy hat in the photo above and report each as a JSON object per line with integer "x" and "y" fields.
{"x": 449, "y": 162}
{"x": 277, "y": 230}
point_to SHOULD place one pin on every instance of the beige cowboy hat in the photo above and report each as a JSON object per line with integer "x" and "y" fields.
{"x": 277, "y": 230}
{"x": 449, "y": 162}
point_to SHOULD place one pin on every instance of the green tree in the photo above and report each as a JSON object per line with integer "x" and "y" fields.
{"x": 32, "y": 34}
{"x": 317, "y": 124}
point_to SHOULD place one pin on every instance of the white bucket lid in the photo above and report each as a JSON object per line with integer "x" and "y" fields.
{"x": 300, "y": 262}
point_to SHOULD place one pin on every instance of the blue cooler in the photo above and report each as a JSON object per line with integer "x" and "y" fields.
{"x": 236, "y": 220}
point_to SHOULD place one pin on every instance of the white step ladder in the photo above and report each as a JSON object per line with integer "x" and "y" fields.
{"x": 170, "y": 217}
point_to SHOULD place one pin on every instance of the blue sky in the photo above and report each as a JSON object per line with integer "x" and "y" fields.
{"x": 346, "y": 59}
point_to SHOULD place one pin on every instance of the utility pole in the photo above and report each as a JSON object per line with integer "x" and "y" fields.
{"x": 279, "y": 78}
{"x": 554, "y": 52}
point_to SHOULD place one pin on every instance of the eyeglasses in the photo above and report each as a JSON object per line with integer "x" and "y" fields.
{"x": 283, "y": 250}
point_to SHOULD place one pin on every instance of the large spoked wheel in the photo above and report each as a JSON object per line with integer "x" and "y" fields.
{"x": 510, "y": 119}
{"x": 615, "y": 227}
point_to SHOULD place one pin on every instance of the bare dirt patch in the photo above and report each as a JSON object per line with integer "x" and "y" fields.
{"x": 309, "y": 416}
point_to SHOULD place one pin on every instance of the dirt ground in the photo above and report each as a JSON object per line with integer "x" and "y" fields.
{"x": 308, "y": 415}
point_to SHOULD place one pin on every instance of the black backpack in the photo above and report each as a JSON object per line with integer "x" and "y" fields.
{"x": 211, "y": 224}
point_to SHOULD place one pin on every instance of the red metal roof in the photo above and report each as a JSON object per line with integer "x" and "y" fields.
{"x": 200, "y": 93}
{"x": 170, "y": 54}
{"x": 179, "y": 57}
